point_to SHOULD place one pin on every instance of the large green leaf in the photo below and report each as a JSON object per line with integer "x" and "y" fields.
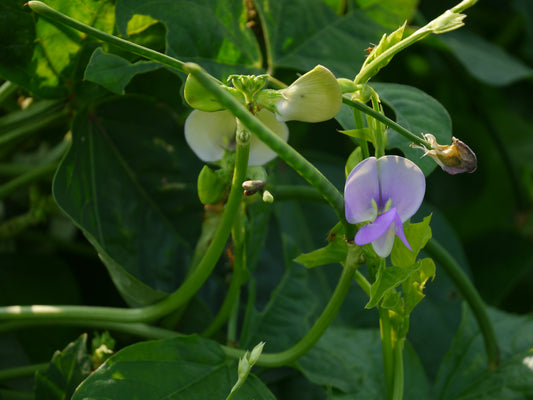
{"x": 486, "y": 61}
{"x": 40, "y": 56}
{"x": 301, "y": 34}
{"x": 464, "y": 373}
{"x": 213, "y": 34}
{"x": 129, "y": 182}
{"x": 350, "y": 361}
{"x": 185, "y": 367}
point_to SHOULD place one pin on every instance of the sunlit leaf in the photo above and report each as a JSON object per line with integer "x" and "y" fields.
{"x": 43, "y": 57}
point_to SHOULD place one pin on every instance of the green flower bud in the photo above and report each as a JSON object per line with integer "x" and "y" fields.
{"x": 198, "y": 97}
{"x": 211, "y": 185}
{"x": 449, "y": 21}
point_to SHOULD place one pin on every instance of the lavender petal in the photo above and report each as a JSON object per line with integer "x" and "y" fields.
{"x": 362, "y": 186}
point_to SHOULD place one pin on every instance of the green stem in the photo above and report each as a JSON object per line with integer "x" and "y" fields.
{"x": 387, "y": 350}
{"x": 27, "y": 178}
{"x": 32, "y": 125}
{"x": 359, "y": 124}
{"x": 398, "y": 376}
{"x": 237, "y": 280}
{"x": 281, "y": 148}
{"x": 378, "y": 127}
{"x": 174, "y": 300}
{"x": 288, "y": 356}
{"x": 472, "y": 297}
{"x": 53, "y": 15}
{"x": 362, "y": 282}
{"x": 6, "y": 90}
{"x": 21, "y": 372}
{"x": 390, "y": 123}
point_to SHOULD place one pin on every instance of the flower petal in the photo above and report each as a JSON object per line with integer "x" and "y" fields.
{"x": 402, "y": 182}
{"x": 371, "y": 232}
{"x": 209, "y": 133}
{"x": 383, "y": 245}
{"x": 314, "y": 97}
{"x": 260, "y": 153}
{"x": 362, "y": 186}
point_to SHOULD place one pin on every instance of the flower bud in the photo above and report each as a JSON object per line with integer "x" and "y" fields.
{"x": 314, "y": 97}
{"x": 256, "y": 352}
{"x": 449, "y": 21}
{"x": 267, "y": 197}
{"x": 198, "y": 97}
{"x": 252, "y": 187}
{"x": 453, "y": 159}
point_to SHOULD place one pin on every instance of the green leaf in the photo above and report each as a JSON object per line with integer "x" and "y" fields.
{"x": 350, "y": 361}
{"x": 419, "y": 113}
{"x": 486, "y": 61}
{"x": 42, "y": 57}
{"x": 464, "y": 373}
{"x": 184, "y": 367}
{"x": 129, "y": 182}
{"x": 65, "y": 372}
{"x": 389, "y": 278}
{"x": 213, "y": 34}
{"x": 334, "y": 252}
{"x": 417, "y": 236}
{"x": 315, "y": 35}
{"x": 113, "y": 72}
{"x": 388, "y": 13}
{"x": 414, "y": 285}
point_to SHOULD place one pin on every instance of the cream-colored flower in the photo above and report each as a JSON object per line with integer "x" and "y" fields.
{"x": 210, "y": 134}
{"x": 314, "y": 97}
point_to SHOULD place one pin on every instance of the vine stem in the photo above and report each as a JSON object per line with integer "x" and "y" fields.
{"x": 174, "y": 300}
{"x": 387, "y": 121}
{"x": 472, "y": 297}
{"x": 55, "y": 16}
{"x": 287, "y": 357}
{"x": 387, "y": 350}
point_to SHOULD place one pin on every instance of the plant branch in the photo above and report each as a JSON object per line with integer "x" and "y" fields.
{"x": 387, "y": 121}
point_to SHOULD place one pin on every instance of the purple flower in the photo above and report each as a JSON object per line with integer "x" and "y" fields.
{"x": 385, "y": 192}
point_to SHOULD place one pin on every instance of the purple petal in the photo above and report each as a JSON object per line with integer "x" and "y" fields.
{"x": 383, "y": 245}
{"x": 371, "y": 232}
{"x": 403, "y": 183}
{"x": 362, "y": 186}
{"x": 399, "y": 231}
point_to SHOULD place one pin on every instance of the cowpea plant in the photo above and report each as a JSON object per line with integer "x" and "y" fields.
{"x": 247, "y": 268}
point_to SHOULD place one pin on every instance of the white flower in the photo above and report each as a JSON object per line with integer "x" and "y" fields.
{"x": 209, "y": 134}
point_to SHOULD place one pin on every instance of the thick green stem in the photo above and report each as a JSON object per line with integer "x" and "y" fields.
{"x": 174, "y": 300}
{"x": 55, "y": 16}
{"x": 387, "y": 350}
{"x": 389, "y": 122}
{"x": 398, "y": 375}
{"x": 237, "y": 279}
{"x": 288, "y": 356}
{"x": 472, "y": 297}
{"x": 280, "y": 147}
{"x": 296, "y": 192}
